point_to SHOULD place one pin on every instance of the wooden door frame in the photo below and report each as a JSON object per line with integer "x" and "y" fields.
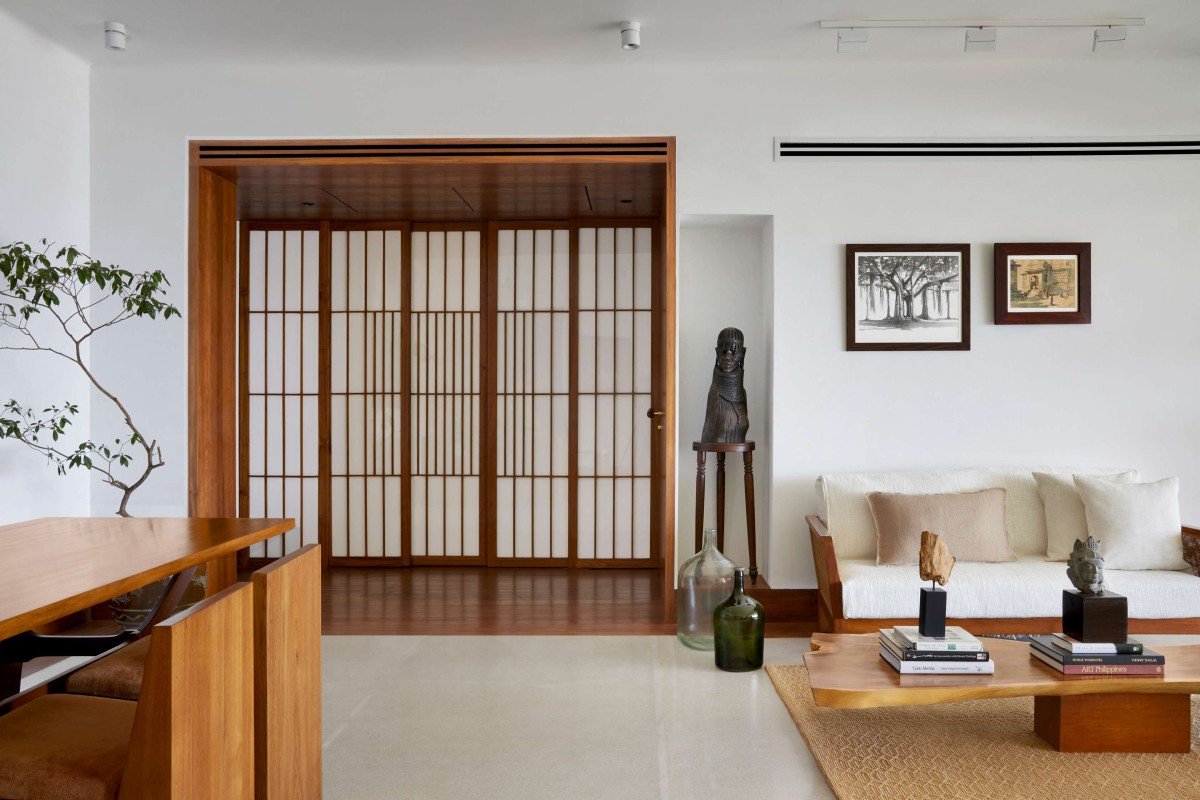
{"x": 212, "y": 317}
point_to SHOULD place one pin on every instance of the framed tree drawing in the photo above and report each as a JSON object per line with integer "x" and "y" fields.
{"x": 908, "y": 297}
{"x": 1043, "y": 284}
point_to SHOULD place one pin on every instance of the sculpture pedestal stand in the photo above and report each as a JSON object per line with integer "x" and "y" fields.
{"x": 747, "y": 450}
{"x": 1100, "y": 617}
{"x": 932, "y": 621}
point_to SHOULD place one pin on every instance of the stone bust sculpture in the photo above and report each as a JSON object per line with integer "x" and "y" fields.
{"x": 1085, "y": 567}
{"x": 725, "y": 419}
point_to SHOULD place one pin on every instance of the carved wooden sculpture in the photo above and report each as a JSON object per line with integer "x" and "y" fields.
{"x": 936, "y": 561}
{"x": 725, "y": 418}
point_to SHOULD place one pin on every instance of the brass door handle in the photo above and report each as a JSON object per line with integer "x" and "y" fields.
{"x": 651, "y": 413}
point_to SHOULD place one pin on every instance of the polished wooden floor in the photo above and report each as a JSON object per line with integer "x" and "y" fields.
{"x": 472, "y": 601}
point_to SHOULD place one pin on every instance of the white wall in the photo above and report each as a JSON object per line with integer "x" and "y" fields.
{"x": 721, "y": 285}
{"x": 1120, "y": 391}
{"x": 44, "y": 193}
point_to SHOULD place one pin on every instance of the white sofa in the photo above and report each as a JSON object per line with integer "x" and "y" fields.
{"x": 1023, "y": 596}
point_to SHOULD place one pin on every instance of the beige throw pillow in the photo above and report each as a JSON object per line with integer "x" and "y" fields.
{"x": 970, "y": 523}
{"x": 1138, "y": 524}
{"x": 1065, "y": 519}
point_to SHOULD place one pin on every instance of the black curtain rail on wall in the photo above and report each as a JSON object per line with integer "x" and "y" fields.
{"x": 825, "y": 149}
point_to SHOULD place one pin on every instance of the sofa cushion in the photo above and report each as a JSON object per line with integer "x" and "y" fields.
{"x": 847, "y": 515}
{"x": 1065, "y": 520}
{"x": 1028, "y": 587}
{"x": 970, "y": 523}
{"x": 1138, "y": 524}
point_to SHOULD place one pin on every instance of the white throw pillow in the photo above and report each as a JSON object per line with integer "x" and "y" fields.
{"x": 1138, "y": 524}
{"x": 1065, "y": 518}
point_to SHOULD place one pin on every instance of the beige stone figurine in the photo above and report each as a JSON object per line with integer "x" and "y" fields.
{"x": 936, "y": 561}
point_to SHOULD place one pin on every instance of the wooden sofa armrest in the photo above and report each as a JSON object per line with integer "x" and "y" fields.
{"x": 829, "y": 582}
{"x": 1191, "y": 548}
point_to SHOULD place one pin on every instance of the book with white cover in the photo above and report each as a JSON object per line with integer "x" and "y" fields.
{"x": 955, "y": 639}
{"x": 1128, "y": 647}
{"x": 937, "y": 667}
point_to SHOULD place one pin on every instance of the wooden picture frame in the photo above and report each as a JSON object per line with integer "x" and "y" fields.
{"x": 908, "y": 297}
{"x": 1026, "y": 292}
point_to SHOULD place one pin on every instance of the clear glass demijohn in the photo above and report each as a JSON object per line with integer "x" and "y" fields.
{"x": 705, "y": 580}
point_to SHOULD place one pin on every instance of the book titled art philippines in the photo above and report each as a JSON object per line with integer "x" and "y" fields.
{"x": 1098, "y": 669}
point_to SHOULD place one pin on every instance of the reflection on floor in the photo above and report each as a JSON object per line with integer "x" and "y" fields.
{"x": 555, "y": 717}
{"x": 477, "y": 600}
{"x": 469, "y": 601}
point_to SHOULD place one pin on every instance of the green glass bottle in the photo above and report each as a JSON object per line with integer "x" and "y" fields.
{"x": 738, "y": 627}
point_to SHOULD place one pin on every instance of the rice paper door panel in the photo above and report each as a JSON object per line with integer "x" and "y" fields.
{"x": 532, "y": 414}
{"x": 367, "y": 282}
{"x": 618, "y": 361}
{"x": 279, "y": 351}
{"x": 447, "y": 337}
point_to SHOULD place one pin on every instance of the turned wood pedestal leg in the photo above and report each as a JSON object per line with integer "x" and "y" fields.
{"x": 721, "y": 502}
{"x": 1115, "y": 723}
{"x": 746, "y": 449}
{"x": 748, "y": 462}
{"x": 701, "y": 457}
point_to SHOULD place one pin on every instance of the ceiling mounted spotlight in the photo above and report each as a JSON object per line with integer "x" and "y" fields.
{"x": 631, "y": 35}
{"x": 982, "y": 40}
{"x": 852, "y": 41}
{"x": 1108, "y": 40}
{"x": 114, "y": 36}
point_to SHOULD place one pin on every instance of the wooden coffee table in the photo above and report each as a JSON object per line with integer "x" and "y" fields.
{"x": 1084, "y": 714}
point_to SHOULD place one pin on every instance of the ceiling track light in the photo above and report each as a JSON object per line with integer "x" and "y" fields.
{"x": 114, "y": 36}
{"x": 981, "y": 33}
{"x": 631, "y": 35}
{"x": 1109, "y": 40}
{"x": 852, "y": 41}
{"x": 980, "y": 40}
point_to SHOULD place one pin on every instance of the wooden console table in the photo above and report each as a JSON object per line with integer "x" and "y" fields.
{"x": 747, "y": 450}
{"x": 56, "y": 566}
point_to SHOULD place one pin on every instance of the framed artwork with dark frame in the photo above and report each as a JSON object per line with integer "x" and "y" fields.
{"x": 908, "y": 297}
{"x": 1043, "y": 284}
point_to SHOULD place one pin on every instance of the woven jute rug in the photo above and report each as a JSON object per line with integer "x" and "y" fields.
{"x": 976, "y": 749}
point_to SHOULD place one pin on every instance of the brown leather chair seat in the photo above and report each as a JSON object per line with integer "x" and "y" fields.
{"x": 65, "y": 747}
{"x": 118, "y": 675}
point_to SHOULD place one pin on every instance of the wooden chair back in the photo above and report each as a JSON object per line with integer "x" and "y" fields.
{"x": 287, "y": 676}
{"x": 194, "y": 729}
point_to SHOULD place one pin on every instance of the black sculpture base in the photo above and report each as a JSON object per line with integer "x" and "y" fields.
{"x": 933, "y": 612}
{"x": 1095, "y": 617}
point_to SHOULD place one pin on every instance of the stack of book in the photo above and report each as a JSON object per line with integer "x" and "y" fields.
{"x": 1072, "y": 657}
{"x": 956, "y": 653}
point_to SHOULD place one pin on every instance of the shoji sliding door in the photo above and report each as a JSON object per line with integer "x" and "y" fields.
{"x": 446, "y": 346}
{"x": 366, "y": 376}
{"x": 280, "y": 347}
{"x": 454, "y": 393}
{"x": 615, "y": 355}
{"x": 532, "y": 299}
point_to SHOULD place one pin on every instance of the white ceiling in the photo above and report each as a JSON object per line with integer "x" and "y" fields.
{"x": 575, "y": 31}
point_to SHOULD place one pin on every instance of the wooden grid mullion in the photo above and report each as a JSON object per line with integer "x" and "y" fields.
{"x": 613, "y": 453}
{"x": 244, "y": 377}
{"x": 324, "y": 390}
{"x": 573, "y": 390}
{"x": 406, "y": 408}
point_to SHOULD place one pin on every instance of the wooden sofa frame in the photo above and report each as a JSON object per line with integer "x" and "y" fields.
{"x": 831, "y": 619}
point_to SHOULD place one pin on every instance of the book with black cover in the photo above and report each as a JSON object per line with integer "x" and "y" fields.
{"x": 895, "y": 645}
{"x": 1043, "y": 644}
{"x": 936, "y": 667}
